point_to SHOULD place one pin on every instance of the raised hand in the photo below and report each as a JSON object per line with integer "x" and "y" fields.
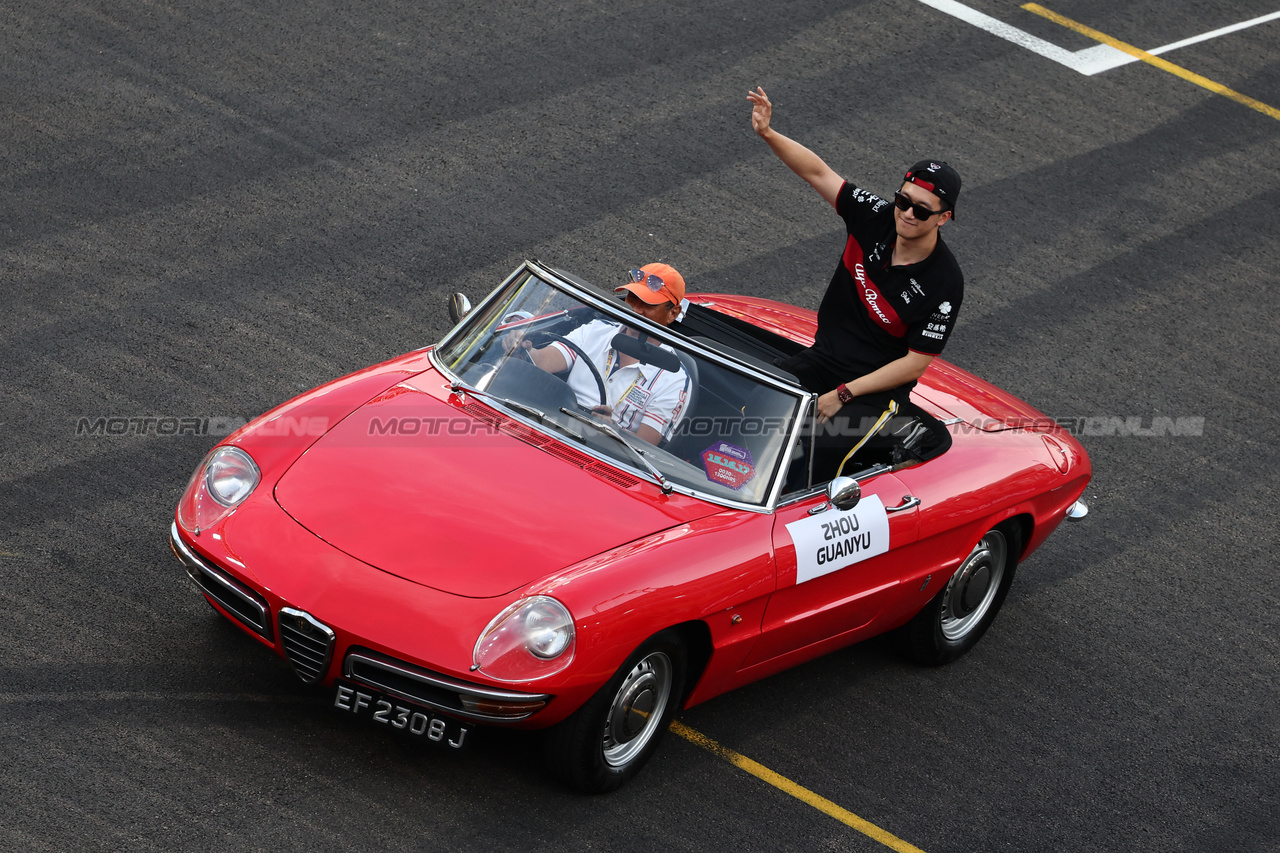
{"x": 761, "y": 110}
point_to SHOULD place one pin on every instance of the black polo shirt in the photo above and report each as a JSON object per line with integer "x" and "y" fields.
{"x": 872, "y": 312}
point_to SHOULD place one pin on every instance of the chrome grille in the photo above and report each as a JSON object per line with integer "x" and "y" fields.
{"x": 307, "y": 643}
{"x": 244, "y": 605}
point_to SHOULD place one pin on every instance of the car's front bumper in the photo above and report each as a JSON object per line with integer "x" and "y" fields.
{"x": 1077, "y": 511}
{"x": 240, "y": 602}
{"x": 309, "y": 645}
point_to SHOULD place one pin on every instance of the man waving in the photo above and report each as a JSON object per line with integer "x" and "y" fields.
{"x": 895, "y": 294}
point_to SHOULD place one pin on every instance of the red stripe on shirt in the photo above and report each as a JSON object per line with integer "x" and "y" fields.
{"x": 876, "y": 305}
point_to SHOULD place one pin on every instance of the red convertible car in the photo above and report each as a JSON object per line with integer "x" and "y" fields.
{"x": 454, "y": 539}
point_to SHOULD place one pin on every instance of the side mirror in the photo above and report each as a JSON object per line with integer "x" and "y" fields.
{"x": 459, "y": 307}
{"x": 844, "y": 493}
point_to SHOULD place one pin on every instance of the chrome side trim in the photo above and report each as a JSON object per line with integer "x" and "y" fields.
{"x": 862, "y": 476}
{"x": 241, "y": 602}
{"x": 1077, "y": 510}
{"x": 427, "y": 688}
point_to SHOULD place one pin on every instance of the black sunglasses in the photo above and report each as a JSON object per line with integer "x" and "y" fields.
{"x": 921, "y": 212}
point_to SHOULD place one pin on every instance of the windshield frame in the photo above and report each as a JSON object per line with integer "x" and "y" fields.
{"x": 592, "y": 297}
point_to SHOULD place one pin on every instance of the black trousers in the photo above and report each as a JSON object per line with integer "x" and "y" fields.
{"x": 867, "y": 423}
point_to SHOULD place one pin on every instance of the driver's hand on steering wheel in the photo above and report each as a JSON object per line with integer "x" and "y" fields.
{"x": 607, "y": 411}
{"x": 513, "y": 339}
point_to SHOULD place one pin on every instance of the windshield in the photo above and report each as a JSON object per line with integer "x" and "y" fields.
{"x": 598, "y": 377}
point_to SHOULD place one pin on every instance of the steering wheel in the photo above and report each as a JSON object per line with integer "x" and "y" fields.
{"x": 595, "y": 372}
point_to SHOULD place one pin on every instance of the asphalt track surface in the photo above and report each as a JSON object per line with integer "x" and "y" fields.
{"x": 211, "y": 206}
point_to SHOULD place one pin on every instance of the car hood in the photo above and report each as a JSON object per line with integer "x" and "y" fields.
{"x": 462, "y": 499}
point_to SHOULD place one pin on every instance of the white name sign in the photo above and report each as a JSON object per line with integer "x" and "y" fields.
{"x": 831, "y": 540}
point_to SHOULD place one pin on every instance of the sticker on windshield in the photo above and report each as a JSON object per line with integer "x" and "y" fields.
{"x": 831, "y": 540}
{"x": 728, "y": 464}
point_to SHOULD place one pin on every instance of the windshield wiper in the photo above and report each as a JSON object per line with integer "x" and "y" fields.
{"x": 524, "y": 408}
{"x": 637, "y": 455}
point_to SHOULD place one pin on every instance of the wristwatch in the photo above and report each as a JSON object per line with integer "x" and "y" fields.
{"x": 843, "y": 392}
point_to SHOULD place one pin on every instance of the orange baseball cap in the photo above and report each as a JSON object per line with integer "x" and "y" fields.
{"x": 655, "y": 284}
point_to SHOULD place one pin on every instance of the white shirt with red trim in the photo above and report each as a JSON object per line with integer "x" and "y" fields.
{"x": 640, "y": 394}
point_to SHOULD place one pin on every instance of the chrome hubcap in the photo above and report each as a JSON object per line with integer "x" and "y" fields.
{"x": 972, "y": 589}
{"x": 637, "y": 709}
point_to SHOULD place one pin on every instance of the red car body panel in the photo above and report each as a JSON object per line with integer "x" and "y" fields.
{"x": 378, "y": 460}
{"x": 410, "y": 549}
{"x": 789, "y": 321}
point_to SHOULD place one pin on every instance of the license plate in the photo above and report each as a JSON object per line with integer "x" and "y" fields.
{"x": 400, "y": 716}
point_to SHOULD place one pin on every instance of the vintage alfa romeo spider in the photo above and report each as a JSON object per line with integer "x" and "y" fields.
{"x": 452, "y": 539}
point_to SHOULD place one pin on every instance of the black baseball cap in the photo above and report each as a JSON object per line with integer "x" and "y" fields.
{"x": 938, "y": 178}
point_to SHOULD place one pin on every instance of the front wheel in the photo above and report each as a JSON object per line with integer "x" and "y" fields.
{"x": 958, "y": 616}
{"x": 606, "y": 741}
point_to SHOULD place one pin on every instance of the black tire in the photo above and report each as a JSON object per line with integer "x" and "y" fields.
{"x": 606, "y": 741}
{"x": 962, "y": 611}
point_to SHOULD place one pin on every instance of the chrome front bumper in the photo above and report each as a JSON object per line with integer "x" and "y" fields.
{"x": 1077, "y": 510}
{"x": 245, "y": 605}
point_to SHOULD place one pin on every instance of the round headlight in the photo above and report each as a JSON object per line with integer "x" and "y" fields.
{"x": 230, "y": 476}
{"x": 531, "y": 638}
{"x": 548, "y": 629}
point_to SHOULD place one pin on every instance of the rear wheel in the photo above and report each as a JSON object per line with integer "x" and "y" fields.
{"x": 606, "y": 741}
{"x": 958, "y": 616}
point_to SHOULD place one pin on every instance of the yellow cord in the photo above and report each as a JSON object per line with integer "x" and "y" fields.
{"x": 888, "y": 413}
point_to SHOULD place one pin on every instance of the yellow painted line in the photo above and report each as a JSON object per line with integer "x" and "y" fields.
{"x": 1152, "y": 59}
{"x": 801, "y": 793}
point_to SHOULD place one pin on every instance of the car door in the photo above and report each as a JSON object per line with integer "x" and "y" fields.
{"x": 836, "y": 570}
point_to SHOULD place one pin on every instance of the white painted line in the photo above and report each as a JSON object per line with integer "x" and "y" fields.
{"x": 1099, "y": 58}
{"x": 1008, "y": 33}
{"x": 1089, "y": 61}
{"x": 1105, "y": 57}
{"x": 1262, "y": 19}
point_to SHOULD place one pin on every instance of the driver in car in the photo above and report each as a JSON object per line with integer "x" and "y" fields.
{"x": 642, "y": 398}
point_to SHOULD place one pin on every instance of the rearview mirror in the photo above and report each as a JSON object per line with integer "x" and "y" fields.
{"x": 459, "y": 307}
{"x": 646, "y": 352}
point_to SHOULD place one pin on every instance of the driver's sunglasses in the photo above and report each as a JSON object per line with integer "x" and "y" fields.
{"x": 921, "y": 212}
{"x": 650, "y": 280}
